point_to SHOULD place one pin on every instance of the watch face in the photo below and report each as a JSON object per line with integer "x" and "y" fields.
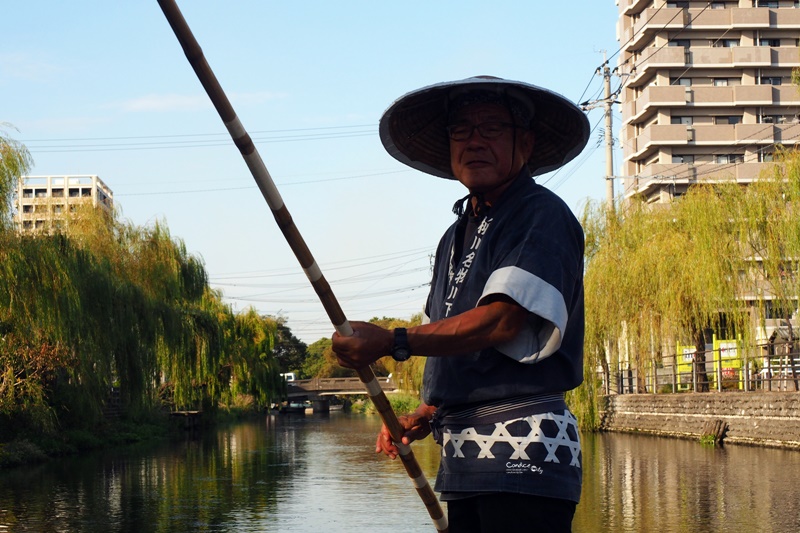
{"x": 401, "y": 354}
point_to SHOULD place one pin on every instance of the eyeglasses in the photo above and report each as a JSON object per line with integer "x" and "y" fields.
{"x": 487, "y": 130}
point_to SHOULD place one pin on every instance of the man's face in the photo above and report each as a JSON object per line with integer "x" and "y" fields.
{"x": 484, "y": 165}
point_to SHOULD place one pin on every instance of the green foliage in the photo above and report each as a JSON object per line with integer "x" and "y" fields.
{"x": 20, "y": 452}
{"x": 708, "y": 440}
{"x": 289, "y": 350}
{"x": 659, "y": 275}
{"x": 316, "y": 364}
{"x": 15, "y": 160}
{"x": 252, "y": 369}
{"x": 108, "y": 304}
{"x": 402, "y": 403}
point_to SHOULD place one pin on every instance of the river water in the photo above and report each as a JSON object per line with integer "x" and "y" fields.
{"x": 318, "y": 473}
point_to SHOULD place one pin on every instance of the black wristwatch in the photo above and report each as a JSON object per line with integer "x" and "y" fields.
{"x": 401, "y": 350}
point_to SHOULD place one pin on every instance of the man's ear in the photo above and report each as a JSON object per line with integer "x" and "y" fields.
{"x": 527, "y": 143}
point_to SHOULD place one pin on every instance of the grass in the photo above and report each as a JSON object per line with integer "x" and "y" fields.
{"x": 401, "y": 403}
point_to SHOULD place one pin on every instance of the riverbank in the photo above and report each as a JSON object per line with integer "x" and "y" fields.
{"x": 769, "y": 419}
{"x": 30, "y": 447}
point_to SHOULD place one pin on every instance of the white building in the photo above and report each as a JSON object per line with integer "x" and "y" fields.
{"x": 43, "y": 203}
{"x": 707, "y": 91}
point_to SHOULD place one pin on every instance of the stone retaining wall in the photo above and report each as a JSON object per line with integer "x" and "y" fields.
{"x": 763, "y": 419}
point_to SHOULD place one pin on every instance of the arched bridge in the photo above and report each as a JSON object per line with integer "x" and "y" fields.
{"x": 320, "y": 390}
{"x": 317, "y": 387}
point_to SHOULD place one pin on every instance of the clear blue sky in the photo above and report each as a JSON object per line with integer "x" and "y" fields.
{"x": 99, "y": 87}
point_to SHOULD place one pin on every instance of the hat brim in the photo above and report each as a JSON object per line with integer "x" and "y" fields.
{"x": 413, "y": 129}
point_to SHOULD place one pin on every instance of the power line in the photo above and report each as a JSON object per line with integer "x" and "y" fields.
{"x": 199, "y": 140}
{"x": 253, "y": 186}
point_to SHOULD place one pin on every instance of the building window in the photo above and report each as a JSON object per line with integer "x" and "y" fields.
{"x": 765, "y": 157}
{"x": 773, "y": 310}
{"x": 58, "y": 193}
{"x": 727, "y": 43}
{"x": 27, "y": 193}
{"x": 717, "y": 5}
{"x": 686, "y": 82}
{"x": 765, "y": 3}
{"x": 730, "y": 159}
{"x": 679, "y": 4}
{"x": 41, "y": 193}
{"x": 769, "y": 42}
{"x": 686, "y": 43}
{"x": 27, "y": 209}
{"x": 684, "y": 159}
{"x": 727, "y": 120}
{"x": 686, "y": 121}
{"x": 771, "y": 80}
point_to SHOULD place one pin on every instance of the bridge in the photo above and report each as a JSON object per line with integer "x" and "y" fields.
{"x": 319, "y": 390}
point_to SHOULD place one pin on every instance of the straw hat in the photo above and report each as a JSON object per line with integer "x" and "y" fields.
{"x": 413, "y": 129}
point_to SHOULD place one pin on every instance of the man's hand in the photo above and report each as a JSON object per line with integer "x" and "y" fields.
{"x": 416, "y": 425}
{"x": 367, "y": 344}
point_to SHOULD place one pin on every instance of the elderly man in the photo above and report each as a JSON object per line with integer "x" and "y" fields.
{"x": 504, "y": 321}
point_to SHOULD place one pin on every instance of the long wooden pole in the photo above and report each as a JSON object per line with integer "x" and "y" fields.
{"x": 284, "y": 220}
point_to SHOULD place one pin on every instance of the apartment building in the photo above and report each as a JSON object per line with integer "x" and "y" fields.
{"x": 43, "y": 203}
{"x": 706, "y": 91}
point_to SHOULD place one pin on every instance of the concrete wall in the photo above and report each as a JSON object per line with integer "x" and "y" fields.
{"x": 762, "y": 419}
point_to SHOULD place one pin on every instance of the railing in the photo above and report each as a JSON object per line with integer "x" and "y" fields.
{"x": 329, "y": 386}
{"x": 775, "y": 367}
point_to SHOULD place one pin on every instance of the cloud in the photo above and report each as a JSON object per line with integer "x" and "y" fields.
{"x": 71, "y": 125}
{"x": 159, "y": 103}
{"x": 163, "y": 102}
{"x": 21, "y": 66}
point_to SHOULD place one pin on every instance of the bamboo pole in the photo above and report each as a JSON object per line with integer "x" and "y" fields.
{"x": 284, "y": 220}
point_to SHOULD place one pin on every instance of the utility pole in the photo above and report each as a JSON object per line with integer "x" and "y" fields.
{"x": 609, "y": 99}
{"x": 609, "y": 136}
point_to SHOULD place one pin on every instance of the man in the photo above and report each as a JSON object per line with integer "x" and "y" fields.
{"x": 503, "y": 327}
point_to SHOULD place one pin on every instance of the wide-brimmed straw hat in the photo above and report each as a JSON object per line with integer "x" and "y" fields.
{"x": 413, "y": 129}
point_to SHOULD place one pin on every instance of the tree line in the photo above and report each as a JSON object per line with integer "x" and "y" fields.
{"x": 109, "y": 304}
{"x": 712, "y": 260}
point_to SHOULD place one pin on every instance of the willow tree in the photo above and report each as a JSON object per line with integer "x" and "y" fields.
{"x": 250, "y": 367}
{"x": 661, "y": 275}
{"x": 15, "y": 160}
{"x": 107, "y": 304}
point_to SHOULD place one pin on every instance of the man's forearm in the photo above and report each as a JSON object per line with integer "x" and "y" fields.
{"x": 479, "y": 328}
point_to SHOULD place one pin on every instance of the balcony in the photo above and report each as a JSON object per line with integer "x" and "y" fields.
{"x": 655, "y": 136}
{"x": 707, "y": 96}
{"x": 630, "y": 7}
{"x": 729, "y": 134}
{"x": 654, "y": 58}
{"x": 652, "y": 22}
{"x": 753, "y": 95}
{"x": 750, "y": 17}
{"x": 702, "y": 19}
{"x": 753, "y": 56}
{"x": 787, "y": 134}
{"x": 786, "y": 95}
{"x": 785, "y": 56}
{"x": 653, "y": 177}
{"x": 651, "y": 99}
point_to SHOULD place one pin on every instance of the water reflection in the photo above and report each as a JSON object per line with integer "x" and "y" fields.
{"x": 636, "y": 483}
{"x": 319, "y": 473}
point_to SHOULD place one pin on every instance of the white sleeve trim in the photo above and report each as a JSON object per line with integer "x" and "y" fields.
{"x": 542, "y": 337}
